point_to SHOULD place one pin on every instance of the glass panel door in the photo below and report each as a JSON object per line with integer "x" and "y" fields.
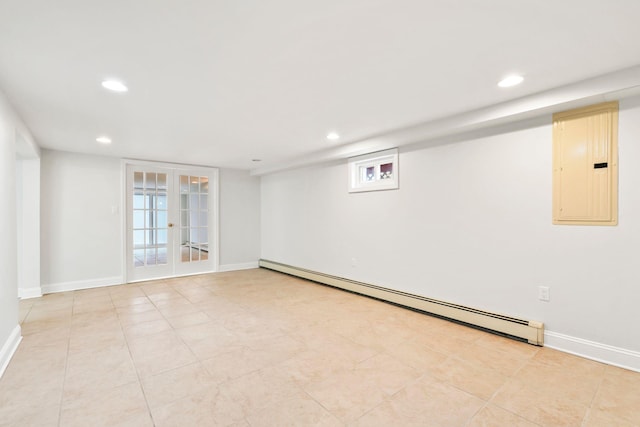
{"x": 149, "y": 229}
{"x": 170, "y": 221}
{"x": 195, "y": 234}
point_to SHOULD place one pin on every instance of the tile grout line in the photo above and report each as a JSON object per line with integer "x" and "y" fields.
{"x": 172, "y": 328}
{"x": 587, "y": 415}
{"x": 324, "y": 407}
{"x": 26, "y": 314}
{"x": 525, "y": 362}
{"x": 146, "y": 401}
{"x": 66, "y": 360}
{"x": 486, "y": 403}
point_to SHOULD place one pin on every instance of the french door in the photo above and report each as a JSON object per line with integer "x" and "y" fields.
{"x": 171, "y": 221}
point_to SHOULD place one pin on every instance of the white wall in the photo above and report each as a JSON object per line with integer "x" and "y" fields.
{"x": 81, "y": 237}
{"x": 28, "y": 226}
{"x": 239, "y": 219}
{"x": 10, "y": 127}
{"x": 8, "y": 259}
{"x": 471, "y": 224}
{"x": 19, "y": 222}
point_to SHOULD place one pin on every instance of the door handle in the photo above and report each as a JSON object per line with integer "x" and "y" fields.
{"x": 170, "y": 225}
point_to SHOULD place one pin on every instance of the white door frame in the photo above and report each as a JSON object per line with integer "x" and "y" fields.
{"x": 214, "y": 213}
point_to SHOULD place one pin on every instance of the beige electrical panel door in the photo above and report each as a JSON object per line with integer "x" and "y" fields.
{"x": 585, "y": 165}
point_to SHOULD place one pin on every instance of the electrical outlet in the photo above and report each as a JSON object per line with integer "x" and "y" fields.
{"x": 543, "y": 293}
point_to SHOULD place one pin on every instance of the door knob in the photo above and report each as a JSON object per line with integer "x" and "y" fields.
{"x": 170, "y": 224}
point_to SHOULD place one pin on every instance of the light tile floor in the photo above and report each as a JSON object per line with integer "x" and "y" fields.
{"x": 257, "y": 348}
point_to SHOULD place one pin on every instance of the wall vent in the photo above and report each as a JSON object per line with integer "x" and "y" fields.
{"x": 526, "y": 330}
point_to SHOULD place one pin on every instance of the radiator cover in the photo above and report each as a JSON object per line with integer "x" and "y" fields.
{"x": 527, "y": 330}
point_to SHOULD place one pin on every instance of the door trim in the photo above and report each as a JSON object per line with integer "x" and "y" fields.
{"x": 215, "y": 208}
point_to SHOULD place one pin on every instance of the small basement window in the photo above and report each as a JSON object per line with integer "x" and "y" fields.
{"x": 375, "y": 171}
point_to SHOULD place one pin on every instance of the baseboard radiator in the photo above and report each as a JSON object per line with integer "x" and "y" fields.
{"x": 524, "y": 330}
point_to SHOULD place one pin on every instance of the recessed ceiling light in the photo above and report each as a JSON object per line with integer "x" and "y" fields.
{"x": 114, "y": 85}
{"x": 512, "y": 80}
{"x": 103, "y": 140}
{"x": 332, "y": 136}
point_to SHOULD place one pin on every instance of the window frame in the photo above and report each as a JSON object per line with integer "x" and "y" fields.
{"x": 357, "y": 182}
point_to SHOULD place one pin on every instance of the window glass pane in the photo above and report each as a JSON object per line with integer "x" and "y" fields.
{"x": 184, "y": 236}
{"x": 138, "y": 200}
{"x": 151, "y": 256}
{"x": 162, "y": 181}
{"x": 193, "y": 218}
{"x": 138, "y": 238}
{"x": 150, "y": 218}
{"x": 193, "y": 201}
{"x": 184, "y": 218}
{"x": 203, "y": 237}
{"x": 184, "y": 184}
{"x": 138, "y": 257}
{"x": 194, "y": 184}
{"x": 204, "y": 255}
{"x": 162, "y": 219}
{"x": 162, "y": 236}
{"x": 185, "y": 255}
{"x": 138, "y": 219}
{"x": 149, "y": 201}
{"x": 161, "y": 201}
{"x": 162, "y": 255}
{"x": 184, "y": 201}
{"x": 150, "y": 181}
{"x": 204, "y": 199}
{"x": 204, "y": 184}
{"x": 137, "y": 180}
{"x": 203, "y": 218}
{"x": 195, "y": 254}
{"x": 185, "y": 241}
{"x": 386, "y": 171}
{"x": 150, "y": 237}
{"x": 368, "y": 173}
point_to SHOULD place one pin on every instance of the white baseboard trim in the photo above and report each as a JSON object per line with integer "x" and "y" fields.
{"x": 81, "y": 284}
{"x": 616, "y": 356}
{"x": 26, "y": 293}
{"x": 234, "y": 267}
{"x": 9, "y": 348}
